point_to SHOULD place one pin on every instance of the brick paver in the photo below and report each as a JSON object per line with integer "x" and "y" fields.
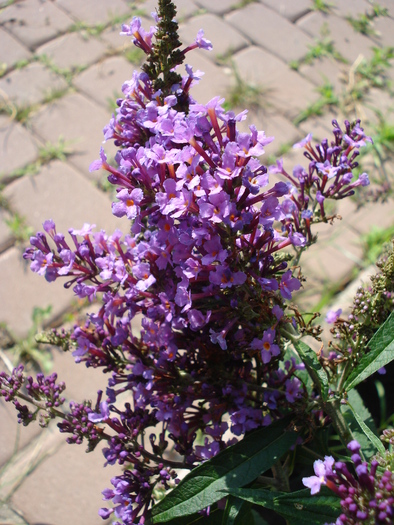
{"x": 6, "y": 239}
{"x": 283, "y": 88}
{"x": 288, "y": 8}
{"x": 81, "y": 475}
{"x": 93, "y": 12}
{"x": 325, "y": 70}
{"x": 225, "y": 39}
{"x": 35, "y": 22}
{"x": 42, "y": 83}
{"x": 261, "y": 38}
{"x": 11, "y": 50}
{"x": 351, "y": 8}
{"x": 79, "y": 121}
{"x": 267, "y": 28}
{"x": 25, "y": 291}
{"x": 349, "y": 43}
{"x": 56, "y": 190}
{"x": 274, "y": 125}
{"x": 103, "y": 81}
{"x": 17, "y": 146}
{"x": 72, "y": 51}
{"x": 206, "y": 89}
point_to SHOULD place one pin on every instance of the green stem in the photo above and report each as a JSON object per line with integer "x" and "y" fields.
{"x": 281, "y": 477}
{"x": 333, "y": 409}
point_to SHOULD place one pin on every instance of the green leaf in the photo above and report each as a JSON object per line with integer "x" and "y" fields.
{"x": 381, "y": 353}
{"x": 215, "y": 518}
{"x": 361, "y": 424}
{"x": 235, "y": 511}
{"x": 314, "y": 368}
{"x": 235, "y": 467}
{"x": 256, "y": 519}
{"x": 298, "y": 508}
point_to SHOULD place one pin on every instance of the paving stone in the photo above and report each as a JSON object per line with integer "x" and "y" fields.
{"x": 388, "y": 4}
{"x": 184, "y": 8}
{"x": 8, "y": 516}
{"x": 283, "y": 88}
{"x": 353, "y": 8}
{"x": 274, "y": 125}
{"x": 320, "y": 127}
{"x": 328, "y": 263}
{"x": 349, "y": 43}
{"x": 217, "y": 81}
{"x": 271, "y": 31}
{"x": 35, "y": 22}
{"x": 41, "y": 81}
{"x": 377, "y": 100}
{"x": 6, "y": 239}
{"x": 325, "y": 70}
{"x": 72, "y": 50}
{"x": 379, "y": 214}
{"x": 218, "y": 7}
{"x": 60, "y": 193}
{"x": 11, "y": 50}
{"x": 24, "y": 291}
{"x": 13, "y": 436}
{"x": 225, "y": 39}
{"x": 17, "y": 146}
{"x": 103, "y": 81}
{"x": 288, "y": 8}
{"x": 80, "y": 122}
{"x": 94, "y": 11}
{"x": 384, "y": 28}
{"x": 66, "y": 488}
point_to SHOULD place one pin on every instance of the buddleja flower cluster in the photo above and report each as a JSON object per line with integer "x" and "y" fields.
{"x": 366, "y": 496}
{"x": 193, "y": 318}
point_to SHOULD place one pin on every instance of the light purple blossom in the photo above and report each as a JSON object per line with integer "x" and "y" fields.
{"x": 333, "y": 316}
{"x": 321, "y": 468}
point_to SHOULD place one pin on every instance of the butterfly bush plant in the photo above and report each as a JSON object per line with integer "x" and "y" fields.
{"x": 215, "y": 407}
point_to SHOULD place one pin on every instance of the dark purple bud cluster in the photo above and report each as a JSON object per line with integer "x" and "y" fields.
{"x": 43, "y": 393}
{"x": 367, "y": 494}
{"x": 372, "y": 305}
{"x": 329, "y": 175}
{"x": 132, "y": 492}
{"x": 78, "y": 424}
{"x": 10, "y": 385}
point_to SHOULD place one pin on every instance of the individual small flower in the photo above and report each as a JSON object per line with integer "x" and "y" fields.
{"x": 304, "y": 142}
{"x": 266, "y": 345}
{"x": 333, "y": 316}
{"x": 293, "y": 389}
{"x": 288, "y": 284}
{"x": 321, "y": 468}
{"x": 326, "y": 169}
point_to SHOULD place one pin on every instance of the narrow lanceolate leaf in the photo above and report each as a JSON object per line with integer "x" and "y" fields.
{"x": 235, "y": 511}
{"x": 381, "y": 353}
{"x": 298, "y": 508}
{"x": 368, "y": 432}
{"x": 235, "y": 467}
{"x": 314, "y": 368}
{"x": 361, "y": 424}
{"x": 215, "y": 518}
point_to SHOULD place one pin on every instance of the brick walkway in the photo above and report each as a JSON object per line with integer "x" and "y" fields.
{"x": 62, "y": 65}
